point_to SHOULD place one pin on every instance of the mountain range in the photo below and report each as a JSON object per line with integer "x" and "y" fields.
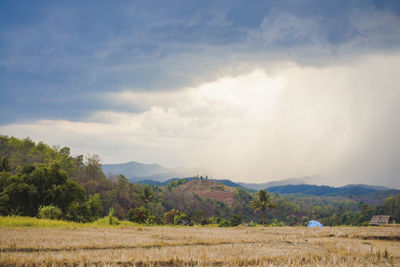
{"x": 136, "y": 171}
{"x": 290, "y": 181}
{"x": 155, "y": 174}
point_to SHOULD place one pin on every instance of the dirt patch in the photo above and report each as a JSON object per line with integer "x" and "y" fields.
{"x": 226, "y": 197}
{"x": 207, "y": 189}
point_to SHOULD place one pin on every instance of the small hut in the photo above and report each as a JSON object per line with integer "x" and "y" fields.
{"x": 380, "y": 220}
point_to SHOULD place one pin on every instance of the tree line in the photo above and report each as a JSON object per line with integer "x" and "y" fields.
{"x": 43, "y": 181}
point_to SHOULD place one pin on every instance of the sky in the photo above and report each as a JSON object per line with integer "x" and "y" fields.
{"x": 253, "y": 91}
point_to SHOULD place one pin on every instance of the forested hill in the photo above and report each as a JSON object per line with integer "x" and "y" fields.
{"x": 221, "y": 181}
{"x": 361, "y": 192}
{"x": 36, "y": 178}
{"x": 321, "y": 190}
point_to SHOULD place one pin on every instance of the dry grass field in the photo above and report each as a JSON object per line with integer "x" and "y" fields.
{"x": 200, "y": 246}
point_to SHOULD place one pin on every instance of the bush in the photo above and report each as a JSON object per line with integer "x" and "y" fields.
{"x": 276, "y": 222}
{"x": 182, "y": 216}
{"x": 204, "y": 221}
{"x": 153, "y": 220}
{"x": 138, "y": 215}
{"x": 224, "y": 223}
{"x": 130, "y": 215}
{"x": 175, "y": 216}
{"x": 110, "y": 216}
{"x": 94, "y": 207}
{"x": 252, "y": 224}
{"x": 215, "y": 220}
{"x": 49, "y": 212}
{"x": 236, "y": 220}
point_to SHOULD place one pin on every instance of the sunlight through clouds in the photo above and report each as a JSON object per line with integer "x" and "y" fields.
{"x": 295, "y": 121}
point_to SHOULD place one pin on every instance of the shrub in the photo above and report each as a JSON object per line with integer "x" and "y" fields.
{"x": 94, "y": 207}
{"x": 276, "y": 222}
{"x": 181, "y": 216}
{"x": 110, "y": 216}
{"x": 49, "y": 212}
{"x": 130, "y": 215}
{"x": 224, "y": 223}
{"x": 169, "y": 216}
{"x": 175, "y": 216}
{"x": 252, "y": 224}
{"x": 204, "y": 221}
{"x": 84, "y": 212}
{"x": 138, "y": 215}
{"x": 211, "y": 220}
{"x": 215, "y": 220}
{"x": 153, "y": 220}
{"x": 236, "y": 220}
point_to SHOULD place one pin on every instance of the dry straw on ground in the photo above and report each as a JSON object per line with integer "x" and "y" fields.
{"x": 201, "y": 246}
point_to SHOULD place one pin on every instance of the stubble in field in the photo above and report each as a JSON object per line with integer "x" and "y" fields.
{"x": 154, "y": 246}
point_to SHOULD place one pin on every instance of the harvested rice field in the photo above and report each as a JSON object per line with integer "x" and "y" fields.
{"x": 200, "y": 246}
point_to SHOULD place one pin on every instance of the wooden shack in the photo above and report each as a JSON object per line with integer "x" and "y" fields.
{"x": 380, "y": 220}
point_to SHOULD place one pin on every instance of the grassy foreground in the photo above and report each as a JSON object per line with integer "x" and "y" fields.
{"x": 18, "y": 221}
{"x": 66, "y": 243}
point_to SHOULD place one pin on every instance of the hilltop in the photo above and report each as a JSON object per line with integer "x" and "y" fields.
{"x": 207, "y": 189}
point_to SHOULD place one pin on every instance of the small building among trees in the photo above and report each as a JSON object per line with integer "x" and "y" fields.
{"x": 380, "y": 220}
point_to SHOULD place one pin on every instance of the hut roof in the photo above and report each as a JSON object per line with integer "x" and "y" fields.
{"x": 380, "y": 219}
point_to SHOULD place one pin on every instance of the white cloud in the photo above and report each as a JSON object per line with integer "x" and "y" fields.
{"x": 336, "y": 121}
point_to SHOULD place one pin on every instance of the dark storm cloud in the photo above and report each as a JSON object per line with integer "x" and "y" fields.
{"x": 56, "y": 58}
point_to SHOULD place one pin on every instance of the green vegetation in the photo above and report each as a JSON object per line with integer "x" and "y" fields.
{"x": 50, "y": 212}
{"x": 262, "y": 203}
{"x": 20, "y": 221}
{"x": 47, "y": 182}
{"x": 236, "y": 220}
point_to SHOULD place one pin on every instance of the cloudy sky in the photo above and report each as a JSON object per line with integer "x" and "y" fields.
{"x": 251, "y": 90}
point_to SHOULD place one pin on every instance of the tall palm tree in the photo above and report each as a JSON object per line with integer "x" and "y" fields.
{"x": 262, "y": 203}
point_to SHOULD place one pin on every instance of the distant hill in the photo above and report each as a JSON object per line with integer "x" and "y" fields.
{"x": 219, "y": 190}
{"x": 136, "y": 171}
{"x": 290, "y": 181}
{"x": 351, "y": 191}
{"x": 377, "y": 197}
{"x": 374, "y": 187}
{"x": 223, "y": 181}
{"x": 233, "y": 184}
{"x": 208, "y": 189}
{"x": 133, "y": 168}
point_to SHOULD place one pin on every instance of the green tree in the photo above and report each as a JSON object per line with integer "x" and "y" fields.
{"x": 94, "y": 207}
{"x": 69, "y": 192}
{"x": 138, "y": 215}
{"x": 50, "y": 212}
{"x": 147, "y": 195}
{"x": 111, "y": 216}
{"x": 236, "y": 220}
{"x": 93, "y": 166}
{"x": 153, "y": 220}
{"x": 175, "y": 216}
{"x": 391, "y": 207}
{"x": 21, "y": 197}
{"x": 224, "y": 223}
{"x": 262, "y": 203}
{"x": 4, "y": 165}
